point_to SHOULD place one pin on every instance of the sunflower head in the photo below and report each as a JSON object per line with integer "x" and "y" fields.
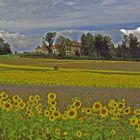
{"x": 78, "y": 134}
{"x": 72, "y": 114}
{"x": 46, "y": 112}
{"x": 77, "y": 104}
{"x": 51, "y": 96}
{"x": 96, "y": 106}
{"x": 134, "y": 121}
{"x": 113, "y": 132}
{"x": 104, "y": 112}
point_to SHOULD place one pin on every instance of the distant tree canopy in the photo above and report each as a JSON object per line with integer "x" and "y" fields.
{"x": 98, "y": 45}
{"x": 4, "y": 47}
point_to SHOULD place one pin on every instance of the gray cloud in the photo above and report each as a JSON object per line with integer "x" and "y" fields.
{"x": 19, "y": 15}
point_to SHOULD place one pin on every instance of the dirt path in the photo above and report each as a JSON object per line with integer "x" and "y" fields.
{"x": 64, "y": 94}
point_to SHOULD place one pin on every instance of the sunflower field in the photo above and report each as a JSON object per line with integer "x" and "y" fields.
{"x": 31, "y": 119}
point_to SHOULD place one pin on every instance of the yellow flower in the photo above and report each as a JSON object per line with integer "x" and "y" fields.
{"x": 20, "y": 117}
{"x": 112, "y": 104}
{"x": 52, "y": 108}
{"x": 121, "y": 107}
{"x": 83, "y": 109}
{"x": 77, "y": 104}
{"x": 7, "y": 106}
{"x": 4, "y": 95}
{"x": 57, "y": 131}
{"x": 79, "y": 134}
{"x": 137, "y": 111}
{"x": 134, "y": 121}
{"x": 53, "y": 103}
{"x": 96, "y": 106}
{"x": 72, "y": 114}
{"x": 64, "y": 116}
{"x": 65, "y": 133}
{"x": 37, "y": 97}
{"x": 21, "y": 105}
{"x": 51, "y": 96}
{"x": 113, "y": 132}
{"x": 127, "y": 111}
{"x": 138, "y": 129}
{"x": 51, "y": 118}
{"x": 81, "y": 120}
{"x": 88, "y": 111}
{"x": 104, "y": 112}
{"x": 46, "y": 113}
{"x": 31, "y": 98}
{"x": 15, "y": 98}
{"x": 56, "y": 114}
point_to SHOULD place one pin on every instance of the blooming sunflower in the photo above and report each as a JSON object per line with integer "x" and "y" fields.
{"x": 104, "y": 112}
{"x": 46, "y": 112}
{"x": 51, "y": 96}
{"x": 52, "y": 108}
{"x": 15, "y": 98}
{"x": 65, "y": 133}
{"x": 37, "y": 97}
{"x": 78, "y": 134}
{"x": 21, "y": 105}
{"x": 127, "y": 111}
{"x": 72, "y": 113}
{"x": 57, "y": 131}
{"x": 4, "y": 95}
{"x": 88, "y": 111}
{"x": 51, "y": 118}
{"x": 77, "y": 104}
{"x": 81, "y": 120}
{"x": 96, "y": 106}
{"x": 134, "y": 121}
{"x": 138, "y": 129}
{"x": 53, "y": 103}
{"x": 56, "y": 114}
{"x": 7, "y": 106}
{"x": 64, "y": 116}
{"x": 121, "y": 107}
{"x": 31, "y": 98}
{"x": 112, "y": 104}
{"x": 113, "y": 132}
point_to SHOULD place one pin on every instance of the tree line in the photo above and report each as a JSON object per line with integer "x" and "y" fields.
{"x": 98, "y": 46}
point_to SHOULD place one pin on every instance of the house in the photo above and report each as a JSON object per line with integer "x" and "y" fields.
{"x": 74, "y": 49}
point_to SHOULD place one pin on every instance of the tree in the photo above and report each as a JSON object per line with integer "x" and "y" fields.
{"x": 133, "y": 46}
{"x": 48, "y": 41}
{"x": 63, "y": 44}
{"x": 87, "y": 44}
{"x": 4, "y": 47}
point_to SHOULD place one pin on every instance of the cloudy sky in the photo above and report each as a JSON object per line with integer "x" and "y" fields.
{"x": 24, "y": 22}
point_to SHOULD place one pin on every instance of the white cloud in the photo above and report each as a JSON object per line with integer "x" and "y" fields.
{"x": 135, "y": 32}
{"x": 4, "y": 34}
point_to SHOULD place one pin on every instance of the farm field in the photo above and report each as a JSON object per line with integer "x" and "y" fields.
{"x": 83, "y": 83}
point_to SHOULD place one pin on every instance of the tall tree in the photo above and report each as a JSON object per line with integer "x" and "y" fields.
{"x": 133, "y": 46}
{"x": 87, "y": 44}
{"x": 48, "y": 41}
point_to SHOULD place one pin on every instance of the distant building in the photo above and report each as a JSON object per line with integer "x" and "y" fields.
{"x": 74, "y": 49}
